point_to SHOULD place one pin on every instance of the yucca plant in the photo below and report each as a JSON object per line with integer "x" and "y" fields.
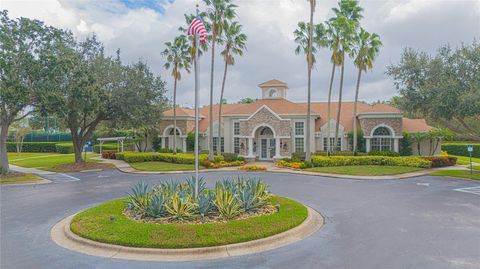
{"x": 157, "y": 206}
{"x": 139, "y": 198}
{"x": 180, "y": 207}
{"x": 227, "y": 204}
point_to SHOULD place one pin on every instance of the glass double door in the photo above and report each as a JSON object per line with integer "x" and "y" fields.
{"x": 267, "y": 148}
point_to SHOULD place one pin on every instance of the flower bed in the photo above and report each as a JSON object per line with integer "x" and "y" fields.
{"x": 252, "y": 168}
{"x": 109, "y": 154}
{"x": 209, "y": 164}
{"x": 131, "y": 157}
{"x": 441, "y": 161}
{"x": 290, "y": 164}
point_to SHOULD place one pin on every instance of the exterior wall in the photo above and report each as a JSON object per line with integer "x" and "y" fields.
{"x": 425, "y": 148}
{"x": 368, "y": 124}
{"x": 185, "y": 126}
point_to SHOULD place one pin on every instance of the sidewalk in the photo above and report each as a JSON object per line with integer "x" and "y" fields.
{"x": 271, "y": 167}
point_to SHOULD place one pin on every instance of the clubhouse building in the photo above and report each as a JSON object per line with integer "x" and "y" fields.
{"x": 273, "y": 127}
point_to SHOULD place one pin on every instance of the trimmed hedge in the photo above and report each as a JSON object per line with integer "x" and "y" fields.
{"x": 383, "y": 153}
{"x": 132, "y": 157}
{"x": 230, "y": 157}
{"x": 64, "y": 148}
{"x": 441, "y": 161}
{"x": 33, "y": 146}
{"x": 461, "y": 149}
{"x": 322, "y": 161}
{"x": 338, "y": 153}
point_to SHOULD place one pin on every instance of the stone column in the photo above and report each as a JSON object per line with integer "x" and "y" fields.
{"x": 250, "y": 147}
{"x": 184, "y": 144}
{"x": 395, "y": 145}
{"x": 367, "y": 144}
{"x": 163, "y": 142}
{"x": 277, "y": 149}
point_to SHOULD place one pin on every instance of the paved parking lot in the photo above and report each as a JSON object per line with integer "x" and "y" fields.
{"x": 422, "y": 222}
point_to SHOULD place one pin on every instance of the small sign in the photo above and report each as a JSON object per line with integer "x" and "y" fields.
{"x": 88, "y": 143}
{"x": 470, "y": 148}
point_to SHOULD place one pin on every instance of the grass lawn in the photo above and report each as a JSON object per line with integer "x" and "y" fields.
{"x": 457, "y": 173}
{"x": 20, "y": 178}
{"x": 44, "y": 161}
{"x": 163, "y": 166}
{"x": 365, "y": 170}
{"x": 465, "y": 159}
{"x": 95, "y": 224}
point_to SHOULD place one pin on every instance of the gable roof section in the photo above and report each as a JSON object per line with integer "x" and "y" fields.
{"x": 181, "y": 112}
{"x": 273, "y": 82}
{"x": 415, "y": 125}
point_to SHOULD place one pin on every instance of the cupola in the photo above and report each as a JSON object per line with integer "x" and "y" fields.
{"x": 274, "y": 89}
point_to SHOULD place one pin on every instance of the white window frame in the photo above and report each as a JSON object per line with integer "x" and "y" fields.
{"x": 236, "y": 146}
{"x": 379, "y": 142}
{"x": 222, "y": 144}
{"x": 295, "y": 135}
{"x": 235, "y": 123}
{"x": 332, "y": 142}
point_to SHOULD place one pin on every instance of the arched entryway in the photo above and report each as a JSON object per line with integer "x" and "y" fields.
{"x": 264, "y": 145}
{"x": 168, "y": 137}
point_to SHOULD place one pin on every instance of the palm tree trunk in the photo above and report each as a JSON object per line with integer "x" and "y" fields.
{"x": 210, "y": 131}
{"x": 329, "y": 109}
{"x": 308, "y": 152}
{"x": 339, "y": 108}
{"x": 219, "y": 140}
{"x": 355, "y": 113}
{"x": 175, "y": 113}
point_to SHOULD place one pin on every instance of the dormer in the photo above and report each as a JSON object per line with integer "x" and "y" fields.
{"x": 274, "y": 89}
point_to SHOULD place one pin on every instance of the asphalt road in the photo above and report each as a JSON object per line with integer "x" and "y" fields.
{"x": 419, "y": 222}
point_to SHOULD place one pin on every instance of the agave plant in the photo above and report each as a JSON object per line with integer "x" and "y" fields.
{"x": 206, "y": 204}
{"x": 201, "y": 185}
{"x": 139, "y": 198}
{"x": 227, "y": 204}
{"x": 180, "y": 207}
{"x": 157, "y": 206}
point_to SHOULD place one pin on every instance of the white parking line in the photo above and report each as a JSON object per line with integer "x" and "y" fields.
{"x": 472, "y": 190}
{"x": 69, "y": 176}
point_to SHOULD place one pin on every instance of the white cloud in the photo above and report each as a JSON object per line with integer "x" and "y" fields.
{"x": 140, "y": 33}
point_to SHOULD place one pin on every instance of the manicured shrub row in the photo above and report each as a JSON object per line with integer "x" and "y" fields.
{"x": 441, "y": 161}
{"x": 383, "y": 153}
{"x": 323, "y": 161}
{"x": 461, "y": 149}
{"x": 338, "y": 153}
{"x": 33, "y": 146}
{"x": 64, "y": 148}
{"x": 132, "y": 157}
{"x": 109, "y": 154}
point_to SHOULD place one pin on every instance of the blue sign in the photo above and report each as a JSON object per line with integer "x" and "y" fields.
{"x": 88, "y": 146}
{"x": 470, "y": 148}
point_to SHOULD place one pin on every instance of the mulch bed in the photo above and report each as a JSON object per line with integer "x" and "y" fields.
{"x": 267, "y": 210}
{"x": 75, "y": 167}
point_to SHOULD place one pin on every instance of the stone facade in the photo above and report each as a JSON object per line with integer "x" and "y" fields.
{"x": 185, "y": 126}
{"x": 367, "y": 124}
{"x": 264, "y": 116}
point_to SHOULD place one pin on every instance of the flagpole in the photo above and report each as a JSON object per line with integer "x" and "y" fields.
{"x": 196, "y": 66}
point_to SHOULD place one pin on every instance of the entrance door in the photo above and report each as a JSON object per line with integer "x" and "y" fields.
{"x": 267, "y": 148}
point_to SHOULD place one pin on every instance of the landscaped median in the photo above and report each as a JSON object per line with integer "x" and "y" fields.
{"x": 240, "y": 215}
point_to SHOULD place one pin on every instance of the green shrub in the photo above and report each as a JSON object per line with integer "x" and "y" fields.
{"x": 33, "y": 146}
{"x": 441, "y": 161}
{"x": 383, "y": 153}
{"x": 166, "y": 150}
{"x": 461, "y": 149}
{"x": 405, "y": 146}
{"x": 298, "y": 156}
{"x": 338, "y": 153}
{"x": 323, "y": 161}
{"x": 64, "y": 148}
{"x": 230, "y": 157}
{"x": 182, "y": 158}
{"x": 120, "y": 155}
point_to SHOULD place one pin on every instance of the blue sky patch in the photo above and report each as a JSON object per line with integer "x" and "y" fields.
{"x": 156, "y": 5}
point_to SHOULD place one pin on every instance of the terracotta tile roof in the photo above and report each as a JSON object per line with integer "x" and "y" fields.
{"x": 272, "y": 82}
{"x": 415, "y": 125}
{"x": 181, "y": 111}
{"x": 285, "y": 107}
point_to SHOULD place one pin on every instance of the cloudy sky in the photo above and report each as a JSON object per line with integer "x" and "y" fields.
{"x": 140, "y": 29}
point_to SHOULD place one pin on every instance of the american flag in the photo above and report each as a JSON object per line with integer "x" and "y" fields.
{"x": 197, "y": 27}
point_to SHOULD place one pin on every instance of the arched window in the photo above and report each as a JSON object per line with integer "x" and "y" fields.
{"x": 273, "y": 93}
{"x": 266, "y": 131}
{"x": 171, "y": 132}
{"x": 382, "y": 139}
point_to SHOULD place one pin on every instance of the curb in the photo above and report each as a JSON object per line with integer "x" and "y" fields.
{"x": 64, "y": 237}
{"x": 26, "y": 183}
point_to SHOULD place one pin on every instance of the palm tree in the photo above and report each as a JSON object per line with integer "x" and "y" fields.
{"x": 301, "y": 35}
{"x": 332, "y": 41}
{"x": 347, "y": 20}
{"x": 177, "y": 54}
{"x": 218, "y": 12}
{"x": 365, "y": 51}
{"x": 234, "y": 41}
